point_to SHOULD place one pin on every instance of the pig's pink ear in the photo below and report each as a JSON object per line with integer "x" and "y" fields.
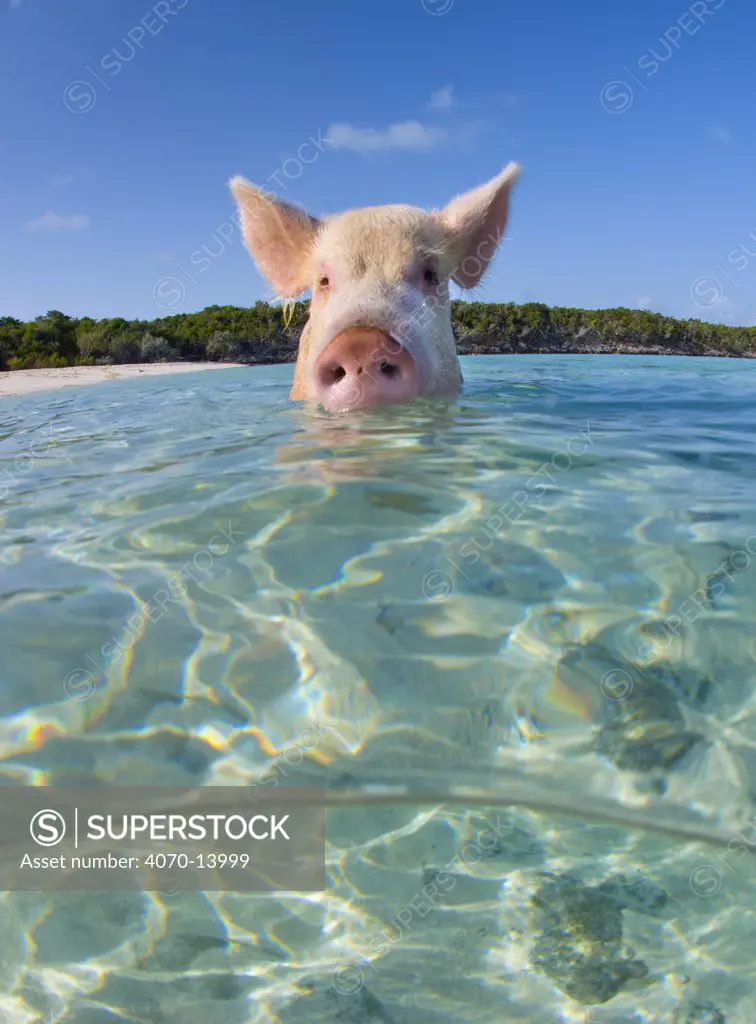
{"x": 476, "y": 222}
{"x": 279, "y": 236}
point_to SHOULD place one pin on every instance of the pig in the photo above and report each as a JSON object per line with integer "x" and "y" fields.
{"x": 379, "y": 327}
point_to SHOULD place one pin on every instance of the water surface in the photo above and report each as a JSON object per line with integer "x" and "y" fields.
{"x": 552, "y": 577}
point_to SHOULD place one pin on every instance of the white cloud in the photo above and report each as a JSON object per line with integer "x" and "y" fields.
{"x": 407, "y": 135}
{"x": 643, "y": 302}
{"x": 62, "y": 180}
{"x": 442, "y": 99}
{"x": 13, "y": 4}
{"x": 720, "y": 133}
{"x": 57, "y": 222}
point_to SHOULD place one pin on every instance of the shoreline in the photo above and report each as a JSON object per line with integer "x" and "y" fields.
{"x": 24, "y": 382}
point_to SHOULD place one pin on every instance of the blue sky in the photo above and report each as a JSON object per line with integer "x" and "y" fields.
{"x": 122, "y": 122}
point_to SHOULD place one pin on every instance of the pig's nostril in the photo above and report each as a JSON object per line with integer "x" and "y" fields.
{"x": 390, "y": 370}
{"x": 337, "y": 373}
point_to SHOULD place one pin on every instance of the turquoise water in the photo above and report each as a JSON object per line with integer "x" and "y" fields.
{"x": 550, "y": 581}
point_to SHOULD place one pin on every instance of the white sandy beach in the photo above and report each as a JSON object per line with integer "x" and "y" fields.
{"x": 21, "y": 382}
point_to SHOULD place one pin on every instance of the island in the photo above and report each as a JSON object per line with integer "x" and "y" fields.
{"x": 266, "y": 333}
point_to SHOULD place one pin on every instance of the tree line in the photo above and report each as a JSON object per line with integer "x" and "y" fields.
{"x": 262, "y": 334}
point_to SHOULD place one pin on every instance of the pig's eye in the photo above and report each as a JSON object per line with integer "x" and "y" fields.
{"x": 430, "y": 276}
{"x": 324, "y": 282}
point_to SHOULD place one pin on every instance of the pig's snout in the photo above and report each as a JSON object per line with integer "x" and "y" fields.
{"x": 364, "y": 367}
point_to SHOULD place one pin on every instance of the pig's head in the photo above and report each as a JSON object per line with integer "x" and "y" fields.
{"x": 379, "y": 329}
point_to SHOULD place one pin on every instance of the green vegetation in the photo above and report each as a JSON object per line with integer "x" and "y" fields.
{"x": 259, "y": 335}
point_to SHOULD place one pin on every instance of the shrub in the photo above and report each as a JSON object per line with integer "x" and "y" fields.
{"x": 155, "y": 349}
{"x": 223, "y": 347}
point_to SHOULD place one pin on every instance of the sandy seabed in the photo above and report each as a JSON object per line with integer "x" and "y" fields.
{"x": 21, "y": 382}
